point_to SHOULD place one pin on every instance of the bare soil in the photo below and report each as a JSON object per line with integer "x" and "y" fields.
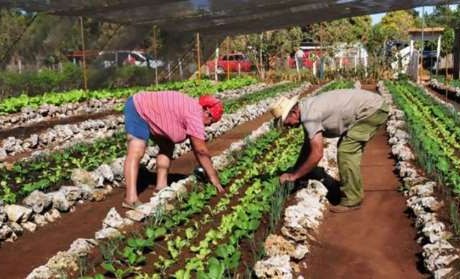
{"x": 376, "y": 241}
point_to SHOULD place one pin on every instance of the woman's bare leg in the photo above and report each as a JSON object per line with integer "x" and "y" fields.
{"x": 136, "y": 150}
{"x": 163, "y": 162}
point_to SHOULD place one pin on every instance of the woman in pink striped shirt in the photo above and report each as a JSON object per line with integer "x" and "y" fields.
{"x": 169, "y": 117}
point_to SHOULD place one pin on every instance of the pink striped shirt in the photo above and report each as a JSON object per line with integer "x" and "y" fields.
{"x": 171, "y": 114}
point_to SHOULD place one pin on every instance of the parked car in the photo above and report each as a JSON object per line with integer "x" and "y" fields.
{"x": 128, "y": 57}
{"x": 234, "y": 62}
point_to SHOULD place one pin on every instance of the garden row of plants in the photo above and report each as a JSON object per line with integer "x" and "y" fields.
{"x": 54, "y": 169}
{"x": 191, "y": 87}
{"x": 201, "y": 237}
{"x": 451, "y": 82}
{"x": 435, "y": 131}
{"x": 184, "y": 246}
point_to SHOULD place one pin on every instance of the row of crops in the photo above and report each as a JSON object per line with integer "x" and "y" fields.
{"x": 201, "y": 237}
{"x": 452, "y": 82}
{"x": 55, "y": 168}
{"x": 192, "y": 87}
{"x": 435, "y": 131}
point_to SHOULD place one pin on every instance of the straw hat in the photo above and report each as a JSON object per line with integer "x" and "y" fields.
{"x": 283, "y": 106}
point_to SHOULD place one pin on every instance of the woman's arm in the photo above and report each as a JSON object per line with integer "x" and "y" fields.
{"x": 204, "y": 158}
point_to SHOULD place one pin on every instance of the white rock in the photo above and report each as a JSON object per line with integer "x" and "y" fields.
{"x": 146, "y": 209}
{"x": 442, "y": 273}
{"x": 71, "y": 193}
{"x": 435, "y": 231}
{"x": 31, "y": 227}
{"x": 38, "y": 201}
{"x": 40, "y": 220}
{"x": 135, "y": 215}
{"x": 18, "y": 213}
{"x": 3, "y": 153}
{"x": 117, "y": 168}
{"x": 113, "y": 219}
{"x": 52, "y": 215}
{"x": 105, "y": 171}
{"x": 5, "y": 232}
{"x": 428, "y": 203}
{"x": 82, "y": 246}
{"x": 107, "y": 233}
{"x": 80, "y": 177}
{"x": 274, "y": 267}
{"x": 423, "y": 190}
{"x": 17, "y": 229}
{"x": 60, "y": 201}
{"x": 276, "y": 245}
{"x": 42, "y": 272}
{"x": 13, "y": 237}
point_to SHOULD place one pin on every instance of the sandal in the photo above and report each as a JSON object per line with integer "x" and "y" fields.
{"x": 132, "y": 205}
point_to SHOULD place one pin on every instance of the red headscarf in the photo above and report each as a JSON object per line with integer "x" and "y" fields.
{"x": 213, "y": 105}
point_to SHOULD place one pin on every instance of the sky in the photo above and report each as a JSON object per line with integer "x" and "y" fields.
{"x": 377, "y": 17}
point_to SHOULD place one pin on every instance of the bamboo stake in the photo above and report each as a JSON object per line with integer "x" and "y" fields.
{"x": 228, "y": 61}
{"x": 84, "y": 72}
{"x": 198, "y": 55}
{"x": 155, "y": 46}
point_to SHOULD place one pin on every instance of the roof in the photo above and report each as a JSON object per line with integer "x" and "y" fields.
{"x": 426, "y": 30}
{"x": 223, "y": 17}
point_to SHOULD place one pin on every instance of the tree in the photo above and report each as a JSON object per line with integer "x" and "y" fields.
{"x": 396, "y": 25}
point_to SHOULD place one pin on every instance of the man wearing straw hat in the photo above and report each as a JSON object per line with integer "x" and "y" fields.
{"x": 354, "y": 115}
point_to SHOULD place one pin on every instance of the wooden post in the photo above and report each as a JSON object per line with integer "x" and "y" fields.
{"x": 85, "y": 75}
{"x": 181, "y": 71}
{"x": 261, "y": 62}
{"x": 198, "y": 58}
{"x": 155, "y": 46}
{"x": 438, "y": 53}
{"x": 216, "y": 62}
{"x": 169, "y": 71}
{"x": 228, "y": 61}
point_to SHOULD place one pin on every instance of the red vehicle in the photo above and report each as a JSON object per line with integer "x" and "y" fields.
{"x": 234, "y": 62}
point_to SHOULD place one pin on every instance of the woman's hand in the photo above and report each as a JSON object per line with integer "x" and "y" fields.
{"x": 204, "y": 158}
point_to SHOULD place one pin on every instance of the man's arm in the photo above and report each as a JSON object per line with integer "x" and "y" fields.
{"x": 204, "y": 158}
{"x": 316, "y": 153}
{"x": 304, "y": 151}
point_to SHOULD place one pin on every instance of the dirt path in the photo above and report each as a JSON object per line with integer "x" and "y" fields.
{"x": 34, "y": 249}
{"x": 377, "y": 241}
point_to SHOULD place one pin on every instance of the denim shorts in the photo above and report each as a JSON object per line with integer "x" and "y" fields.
{"x": 134, "y": 124}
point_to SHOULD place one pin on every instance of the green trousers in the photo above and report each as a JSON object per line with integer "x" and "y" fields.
{"x": 349, "y": 153}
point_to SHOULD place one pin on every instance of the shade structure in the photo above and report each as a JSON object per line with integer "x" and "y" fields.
{"x": 216, "y": 16}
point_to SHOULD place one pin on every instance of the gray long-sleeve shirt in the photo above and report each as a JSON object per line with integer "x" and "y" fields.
{"x": 334, "y": 112}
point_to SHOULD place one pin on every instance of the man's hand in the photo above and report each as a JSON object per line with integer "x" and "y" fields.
{"x": 287, "y": 177}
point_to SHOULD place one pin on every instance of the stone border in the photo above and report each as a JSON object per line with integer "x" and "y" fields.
{"x": 114, "y": 223}
{"x": 442, "y": 86}
{"x": 438, "y": 253}
{"x": 39, "y": 209}
{"x": 64, "y": 136}
{"x": 48, "y": 112}
{"x": 301, "y": 225}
